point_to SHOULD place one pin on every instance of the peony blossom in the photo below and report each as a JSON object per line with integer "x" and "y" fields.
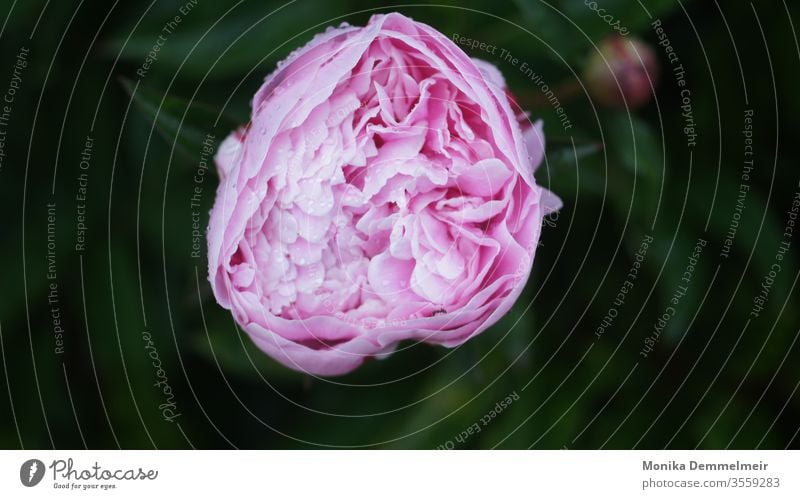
{"x": 383, "y": 191}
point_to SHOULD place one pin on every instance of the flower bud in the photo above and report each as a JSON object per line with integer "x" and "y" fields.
{"x": 622, "y": 70}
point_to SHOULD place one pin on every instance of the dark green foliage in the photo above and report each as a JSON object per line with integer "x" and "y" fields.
{"x": 716, "y": 377}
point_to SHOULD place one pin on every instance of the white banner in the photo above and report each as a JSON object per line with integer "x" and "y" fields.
{"x": 389, "y": 474}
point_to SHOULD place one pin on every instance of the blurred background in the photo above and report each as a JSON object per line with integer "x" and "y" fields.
{"x": 673, "y": 125}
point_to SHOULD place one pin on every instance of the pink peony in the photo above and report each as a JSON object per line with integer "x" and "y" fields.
{"x": 382, "y": 192}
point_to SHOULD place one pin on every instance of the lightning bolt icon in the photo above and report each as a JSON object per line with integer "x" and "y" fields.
{"x": 32, "y": 471}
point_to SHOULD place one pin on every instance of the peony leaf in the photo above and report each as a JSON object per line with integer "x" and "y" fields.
{"x": 568, "y": 151}
{"x": 570, "y": 162}
{"x": 182, "y": 123}
{"x": 570, "y": 26}
{"x": 224, "y": 48}
{"x": 637, "y": 146}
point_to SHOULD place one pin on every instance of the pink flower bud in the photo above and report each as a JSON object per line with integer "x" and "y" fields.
{"x": 622, "y": 70}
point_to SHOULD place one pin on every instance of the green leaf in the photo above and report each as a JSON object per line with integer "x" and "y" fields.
{"x": 183, "y": 123}
{"x": 635, "y": 144}
{"x": 230, "y": 46}
{"x": 630, "y": 15}
{"x": 553, "y": 29}
{"x": 571, "y": 26}
{"x": 572, "y": 153}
